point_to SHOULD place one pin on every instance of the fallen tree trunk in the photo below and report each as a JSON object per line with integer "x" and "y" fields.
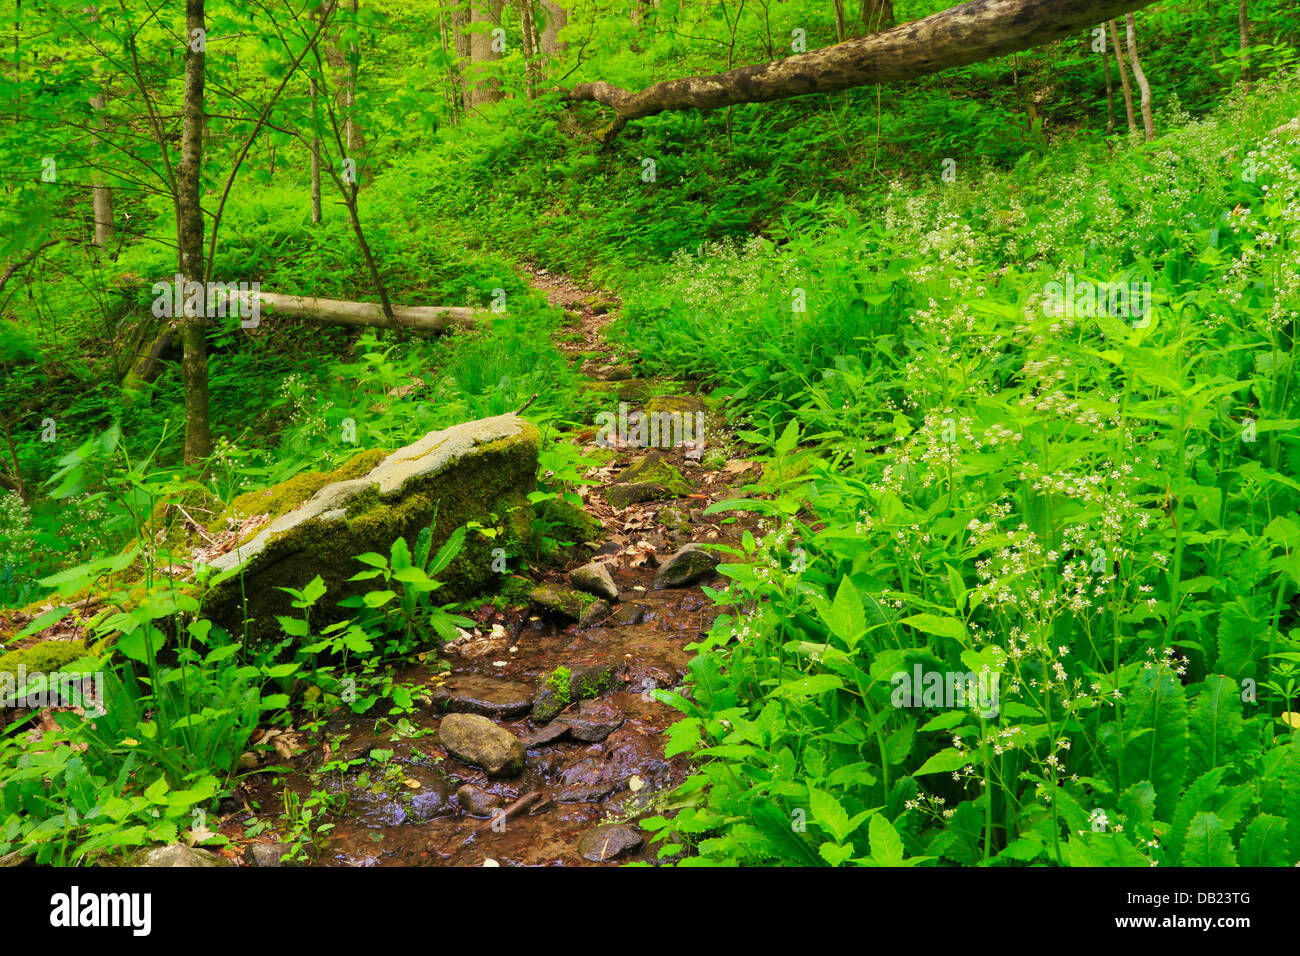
{"x": 965, "y": 34}
{"x": 148, "y": 352}
{"x": 422, "y": 318}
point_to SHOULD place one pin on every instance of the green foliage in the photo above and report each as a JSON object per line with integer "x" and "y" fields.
{"x": 1092, "y": 509}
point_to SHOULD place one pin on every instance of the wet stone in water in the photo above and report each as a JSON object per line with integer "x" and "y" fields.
{"x": 607, "y": 842}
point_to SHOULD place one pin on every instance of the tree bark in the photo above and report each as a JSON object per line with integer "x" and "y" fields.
{"x": 1123, "y": 79}
{"x": 317, "y": 216}
{"x": 1243, "y": 36}
{"x": 528, "y": 29}
{"x": 478, "y": 89}
{"x": 557, "y": 17}
{"x": 460, "y": 43}
{"x": 101, "y": 197}
{"x": 1144, "y": 88}
{"x": 189, "y": 229}
{"x": 876, "y": 15}
{"x": 343, "y": 59}
{"x": 435, "y": 318}
{"x": 969, "y": 33}
{"x": 1110, "y": 92}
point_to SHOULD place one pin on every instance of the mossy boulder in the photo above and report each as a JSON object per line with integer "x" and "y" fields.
{"x": 480, "y": 471}
{"x": 566, "y": 602}
{"x": 688, "y": 565}
{"x": 288, "y": 495}
{"x": 682, "y": 404}
{"x": 42, "y": 658}
{"x": 563, "y": 686}
{"x": 566, "y": 522}
{"x": 649, "y": 479}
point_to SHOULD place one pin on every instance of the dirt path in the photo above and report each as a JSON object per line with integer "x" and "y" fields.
{"x": 600, "y": 763}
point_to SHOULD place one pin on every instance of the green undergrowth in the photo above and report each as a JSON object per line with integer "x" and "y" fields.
{"x": 1088, "y": 515}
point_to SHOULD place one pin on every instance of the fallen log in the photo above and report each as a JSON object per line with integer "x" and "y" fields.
{"x": 418, "y": 318}
{"x": 421, "y": 318}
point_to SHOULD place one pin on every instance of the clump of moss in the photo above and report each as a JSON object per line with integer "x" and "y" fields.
{"x": 594, "y": 681}
{"x": 565, "y": 522}
{"x": 558, "y": 682}
{"x": 652, "y": 469}
{"x": 684, "y": 404}
{"x": 282, "y": 498}
{"x": 43, "y": 658}
{"x": 513, "y": 592}
{"x": 565, "y": 601}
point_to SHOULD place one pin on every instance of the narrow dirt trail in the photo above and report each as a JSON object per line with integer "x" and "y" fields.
{"x": 600, "y": 763}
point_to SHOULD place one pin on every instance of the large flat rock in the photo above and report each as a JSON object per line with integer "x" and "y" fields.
{"x": 478, "y": 471}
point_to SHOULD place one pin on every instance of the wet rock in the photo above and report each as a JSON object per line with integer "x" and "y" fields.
{"x": 592, "y": 721}
{"x": 477, "y": 802}
{"x": 543, "y": 735}
{"x": 476, "y": 740}
{"x": 487, "y": 696}
{"x": 674, "y": 519}
{"x": 607, "y": 842}
{"x": 652, "y": 467}
{"x": 594, "y": 578}
{"x": 627, "y": 615}
{"x": 613, "y": 373}
{"x": 177, "y": 854}
{"x": 266, "y": 854}
{"x": 566, "y": 602}
{"x": 650, "y": 479}
{"x": 622, "y": 495}
{"x": 595, "y": 612}
{"x": 564, "y": 685}
{"x": 687, "y": 566}
{"x": 488, "y": 466}
{"x": 584, "y": 792}
{"x": 683, "y": 404}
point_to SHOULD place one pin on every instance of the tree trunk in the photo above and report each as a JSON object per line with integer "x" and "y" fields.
{"x": 556, "y": 19}
{"x": 343, "y": 58}
{"x": 1110, "y": 91}
{"x": 876, "y": 15}
{"x": 478, "y": 89}
{"x": 317, "y": 215}
{"x": 189, "y": 229}
{"x": 1123, "y": 79}
{"x": 435, "y": 318}
{"x": 1243, "y": 31}
{"x": 352, "y": 131}
{"x": 1144, "y": 88}
{"x": 528, "y": 28}
{"x": 460, "y": 44}
{"x": 101, "y": 195}
{"x": 969, "y": 33}
{"x": 841, "y": 30}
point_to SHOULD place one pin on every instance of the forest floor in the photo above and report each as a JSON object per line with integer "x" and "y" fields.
{"x": 397, "y": 797}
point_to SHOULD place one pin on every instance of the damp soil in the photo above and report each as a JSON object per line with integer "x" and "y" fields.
{"x": 405, "y": 806}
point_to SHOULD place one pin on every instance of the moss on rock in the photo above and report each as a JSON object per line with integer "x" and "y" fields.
{"x": 477, "y": 472}
{"x": 284, "y": 497}
{"x": 42, "y": 658}
{"x": 652, "y": 469}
